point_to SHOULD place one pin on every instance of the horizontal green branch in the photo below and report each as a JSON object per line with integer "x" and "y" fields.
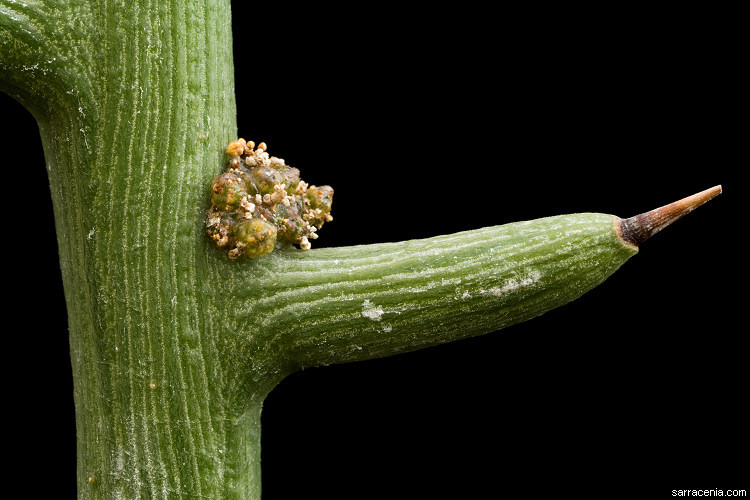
{"x": 353, "y": 303}
{"x": 48, "y": 57}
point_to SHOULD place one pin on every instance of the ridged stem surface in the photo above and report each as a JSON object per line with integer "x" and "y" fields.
{"x": 347, "y": 304}
{"x": 135, "y": 104}
{"x": 174, "y": 346}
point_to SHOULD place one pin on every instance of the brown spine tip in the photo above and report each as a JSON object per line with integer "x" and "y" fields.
{"x": 638, "y": 229}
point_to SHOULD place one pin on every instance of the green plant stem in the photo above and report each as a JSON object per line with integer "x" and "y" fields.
{"x": 135, "y": 105}
{"x": 349, "y": 304}
{"x": 173, "y": 346}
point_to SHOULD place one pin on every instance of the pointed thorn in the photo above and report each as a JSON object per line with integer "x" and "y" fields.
{"x": 638, "y": 229}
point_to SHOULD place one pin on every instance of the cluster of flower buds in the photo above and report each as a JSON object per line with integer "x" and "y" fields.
{"x": 259, "y": 204}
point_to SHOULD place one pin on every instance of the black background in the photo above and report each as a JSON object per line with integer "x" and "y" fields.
{"x": 637, "y": 387}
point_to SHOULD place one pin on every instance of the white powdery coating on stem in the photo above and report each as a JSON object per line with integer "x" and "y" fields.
{"x": 513, "y": 284}
{"x": 370, "y": 310}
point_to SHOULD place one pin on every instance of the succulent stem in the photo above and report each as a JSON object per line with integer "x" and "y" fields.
{"x": 639, "y": 228}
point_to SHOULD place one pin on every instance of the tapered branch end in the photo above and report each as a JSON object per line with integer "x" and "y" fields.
{"x": 638, "y": 229}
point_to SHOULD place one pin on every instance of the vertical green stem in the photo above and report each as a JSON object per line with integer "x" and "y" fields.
{"x": 135, "y": 104}
{"x": 173, "y": 349}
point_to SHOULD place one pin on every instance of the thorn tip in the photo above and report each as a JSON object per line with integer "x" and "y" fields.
{"x": 638, "y": 229}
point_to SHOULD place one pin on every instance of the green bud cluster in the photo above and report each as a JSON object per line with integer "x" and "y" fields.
{"x": 259, "y": 204}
